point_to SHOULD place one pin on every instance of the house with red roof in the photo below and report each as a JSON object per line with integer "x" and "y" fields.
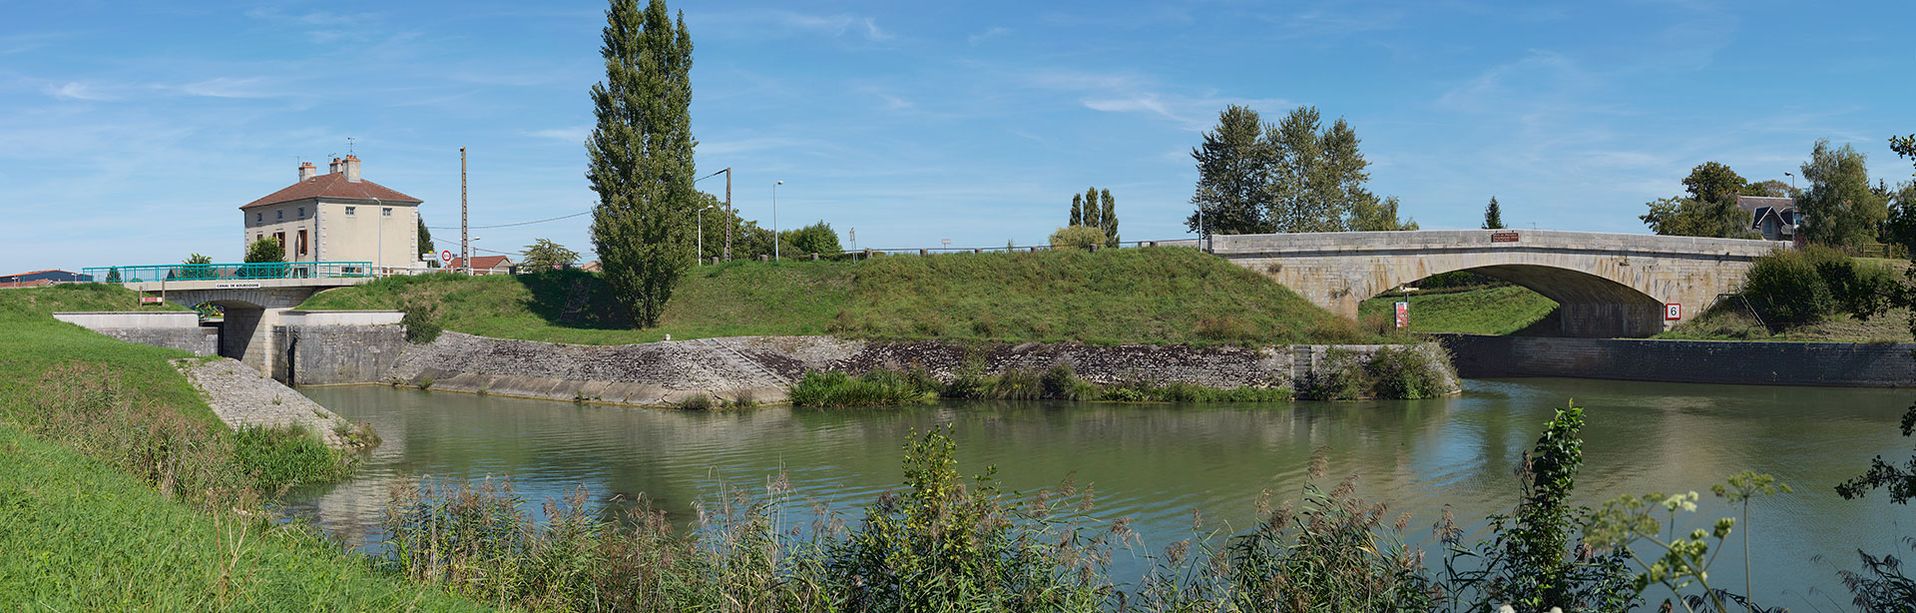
{"x": 484, "y": 265}
{"x": 339, "y": 216}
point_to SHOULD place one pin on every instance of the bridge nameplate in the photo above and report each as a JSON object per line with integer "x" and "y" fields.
{"x": 1503, "y": 237}
{"x": 243, "y": 285}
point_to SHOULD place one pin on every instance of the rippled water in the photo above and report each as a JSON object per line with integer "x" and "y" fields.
{"x": 1156, "y": 463}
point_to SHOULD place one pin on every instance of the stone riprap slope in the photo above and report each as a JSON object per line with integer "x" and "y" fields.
{"x": 241, "y": 396}
{"x": 762, "y": 368}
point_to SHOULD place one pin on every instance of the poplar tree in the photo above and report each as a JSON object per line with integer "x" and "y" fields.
{"x": 1493, "y": 215}
{"x": 1108, "y": 219}
{"x": 1234, "y": 166}
{"x": 640, "y": 155}
{"x": 1091, "y": 217}
{"x": 1077, "y": 210}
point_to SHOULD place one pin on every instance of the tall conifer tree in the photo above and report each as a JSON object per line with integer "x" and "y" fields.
{"x": 1108, "y": 218}
{"x": 641, "y": 156}
{"x": 1077, "y": 210}
{"x": 1493, "y": 215}
{"x": 1091, "y": 206}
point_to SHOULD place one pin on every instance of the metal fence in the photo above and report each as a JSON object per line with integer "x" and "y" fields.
{"x": 229, "y": 271}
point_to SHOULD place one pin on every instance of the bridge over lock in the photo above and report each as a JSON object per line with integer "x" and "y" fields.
{"x": 253, "y": 297}
{"x": 1607, "y": 285}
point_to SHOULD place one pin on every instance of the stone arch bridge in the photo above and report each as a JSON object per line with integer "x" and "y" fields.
{"x": 1608, "y": 285}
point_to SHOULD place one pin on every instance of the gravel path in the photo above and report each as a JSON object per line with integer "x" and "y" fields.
{"x": 240, "y": 396}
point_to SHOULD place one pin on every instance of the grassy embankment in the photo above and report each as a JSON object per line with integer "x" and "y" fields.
{"x": 121, "y": 490}
{"x": 1737, "y": 320}
{"x": 1153, "y": 295}
{"x": 1494, "y": 310}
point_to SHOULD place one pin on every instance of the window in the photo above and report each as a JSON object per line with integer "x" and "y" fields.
{"x": 279, "y": 214}
{"x": 302, "y": 212}
{"x": 301, "y": 242}
{"x": 259, "y": 217}
{"x": 350, "y": 209}
{"x": 386, "y": 212}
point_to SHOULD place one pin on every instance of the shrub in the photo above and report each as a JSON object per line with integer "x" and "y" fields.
{"x": 1341, "y": 376}
{"x": 421, "y": 322}
{"x": 1797, "y": 287}
{"x": 280, "y": 458}
{"x": 1083, "y": 238}
{"x": 1404, "y": 372}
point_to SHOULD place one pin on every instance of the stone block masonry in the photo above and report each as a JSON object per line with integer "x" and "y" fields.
{"x": 1757, "y": 363}
{"x": 337, "y": 347}
{"x": 763, "y": 368}
{"x": 173, "y": 330}
{"x": 242, "y": 397}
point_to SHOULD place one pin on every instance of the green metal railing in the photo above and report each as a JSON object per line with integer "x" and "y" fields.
{"x": 229, "y": 271}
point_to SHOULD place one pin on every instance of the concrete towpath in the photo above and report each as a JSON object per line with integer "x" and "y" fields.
{"x": 242, "y": 397}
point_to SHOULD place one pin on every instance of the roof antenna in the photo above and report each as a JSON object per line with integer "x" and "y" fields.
{"x": 349, "y": 145}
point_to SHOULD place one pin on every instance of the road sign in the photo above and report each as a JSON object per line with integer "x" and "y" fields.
{"x": 1672, "y": 311}
{"x": 1403, "y": 314}
{"x": 150, "y": 300}
{"x": 445, "y": 256}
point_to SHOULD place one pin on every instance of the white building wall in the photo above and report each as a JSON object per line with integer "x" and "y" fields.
{"x": 386, "y": 234}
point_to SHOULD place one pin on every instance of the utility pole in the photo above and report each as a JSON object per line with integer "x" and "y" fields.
{"x": 728, "y": 211}
{"x": 465, "y": 240}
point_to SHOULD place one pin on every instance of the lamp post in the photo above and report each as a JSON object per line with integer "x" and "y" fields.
{"x": 701, "y": 248}
{"x": 1792, "y": 177}
{"x": 775, "y": 185}
{"x": 728, "y": 208}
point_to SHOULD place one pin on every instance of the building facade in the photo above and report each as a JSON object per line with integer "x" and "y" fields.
{"x": 337, "y": 217}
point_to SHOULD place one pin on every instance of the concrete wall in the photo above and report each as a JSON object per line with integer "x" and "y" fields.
{"x": 322, "y": 353}
{"x": 175, "y": 330}
{"x": 1829, "y": 364}
{"x": 1609, "y": 284}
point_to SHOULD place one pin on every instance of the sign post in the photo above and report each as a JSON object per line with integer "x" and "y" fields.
{"x": 1403, "y": 314}
{"x": 445, "y": 257}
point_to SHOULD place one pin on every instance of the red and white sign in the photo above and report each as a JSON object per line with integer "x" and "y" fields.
{"x": 1403, "y": 314}
{"x": 150, "y": 300}
{"x": 1672, "y": 311}
{"x": 445, "y": 256}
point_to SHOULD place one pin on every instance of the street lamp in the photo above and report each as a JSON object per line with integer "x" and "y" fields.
{"x": 1792, "y": 177}
{"x": 701, "y": 251}
{"x": 775, "y": 185}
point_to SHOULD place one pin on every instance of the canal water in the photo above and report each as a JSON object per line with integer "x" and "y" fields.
{"x": 1156, "y": 463}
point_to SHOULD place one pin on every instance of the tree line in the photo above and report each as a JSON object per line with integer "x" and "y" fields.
{"x": 1838, "y": 208}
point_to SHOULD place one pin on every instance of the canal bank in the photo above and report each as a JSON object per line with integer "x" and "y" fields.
{"x": 1677, "y": 361}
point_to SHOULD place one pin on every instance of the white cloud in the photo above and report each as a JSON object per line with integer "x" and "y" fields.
{"x": 75, "y": 90}
{"x": 993, "y": 32}
{"x": 573, "y": 134}
{"x": 835, "y": 25}
{"x": 1130, "y": 93}
{"x": 227, "y": 87}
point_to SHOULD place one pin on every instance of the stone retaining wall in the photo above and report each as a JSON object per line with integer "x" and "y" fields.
{"x": 1829, "y": 364}
{"x": 336, "y": 354}
{"x": 763, "y": 368}
{"x": 174, "y": 330}
{"x": 243, "y": 397}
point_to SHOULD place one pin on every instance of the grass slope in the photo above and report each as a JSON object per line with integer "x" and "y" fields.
{"x": 1157, "y": 295}
{"x": 1496, "y": 310}
{"x": 80, "y": 532}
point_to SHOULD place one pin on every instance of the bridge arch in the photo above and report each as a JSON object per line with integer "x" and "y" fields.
{"x": 1609, "y": 285}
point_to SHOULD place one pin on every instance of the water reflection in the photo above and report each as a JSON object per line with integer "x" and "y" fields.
{"x": 1155, "y": 463}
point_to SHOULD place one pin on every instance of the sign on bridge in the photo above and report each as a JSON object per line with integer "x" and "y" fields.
{"x": 1503, "y": 237}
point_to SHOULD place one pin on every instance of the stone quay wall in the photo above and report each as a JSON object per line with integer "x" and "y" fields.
{"x": 762, "y": 368}
{"x": 174, "y": 330}
{"x": 1757, "y": 363}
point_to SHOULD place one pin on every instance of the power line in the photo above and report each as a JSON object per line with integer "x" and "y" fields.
{"x": 537, "y": 221}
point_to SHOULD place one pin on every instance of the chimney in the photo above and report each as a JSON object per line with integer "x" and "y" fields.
{"x": 306, "y": 171}
{"x": 333, "y": 168}
{"x": 352, "y": 168}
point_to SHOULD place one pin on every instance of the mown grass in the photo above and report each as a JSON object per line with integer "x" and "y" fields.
{"x": 1153, "y": 295}
{"x": 120, "y": 490}
{"x": 1493, "y": 310}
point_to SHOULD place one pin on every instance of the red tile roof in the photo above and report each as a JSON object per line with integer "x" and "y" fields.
{"x": 333, "y": 185}
{"x": 483, "y": 262}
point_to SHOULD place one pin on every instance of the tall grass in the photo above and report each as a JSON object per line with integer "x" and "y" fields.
{"x": 896, "y": 388}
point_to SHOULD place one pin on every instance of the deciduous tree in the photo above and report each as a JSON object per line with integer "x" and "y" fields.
{"x": 641, "y": 156}
{"x": 265, "y": 249}
{"x": 543, "y": 254}
{"x": 1108, "y": 217}
{"x": 1234, "y": 165}
{"x": 1839, "y": 208}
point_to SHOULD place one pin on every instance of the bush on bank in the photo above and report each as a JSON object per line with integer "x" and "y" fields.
{"x": 1391, "y": 372}
{"x": 1803, "y": 286}
{"x": 895, "y": 388}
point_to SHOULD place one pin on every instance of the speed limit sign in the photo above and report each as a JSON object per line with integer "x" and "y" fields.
{"x": 445, "y": 256}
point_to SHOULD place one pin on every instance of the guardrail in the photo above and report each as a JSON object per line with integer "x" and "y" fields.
{"x": 237, "y": 270}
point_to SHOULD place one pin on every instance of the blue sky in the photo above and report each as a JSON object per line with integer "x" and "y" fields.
{"x": 129, "y": 132}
